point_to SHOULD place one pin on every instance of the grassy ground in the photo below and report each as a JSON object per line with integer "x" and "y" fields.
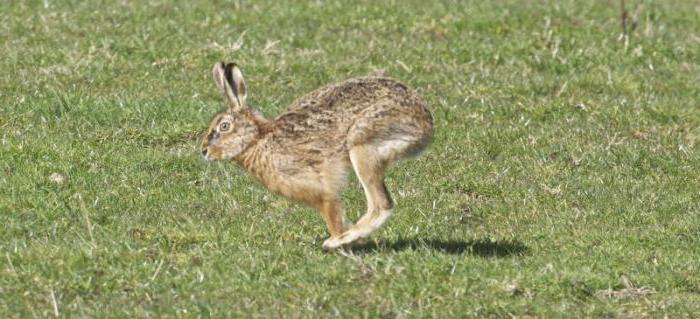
{"x": 564, "y": 177}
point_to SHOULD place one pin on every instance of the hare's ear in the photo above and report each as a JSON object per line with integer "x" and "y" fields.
{"x": 217, "y": 73}
{"x": 235, "y": 79}
{"x": 229, "y": 80}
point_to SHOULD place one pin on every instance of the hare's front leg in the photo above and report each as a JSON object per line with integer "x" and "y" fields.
{"x": 334, "y": 216}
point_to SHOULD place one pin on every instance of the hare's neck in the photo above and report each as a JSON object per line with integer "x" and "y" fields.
{"x": 258, "y": 161}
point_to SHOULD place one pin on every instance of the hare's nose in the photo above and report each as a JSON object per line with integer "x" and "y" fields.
{"x": 204, "y": 152}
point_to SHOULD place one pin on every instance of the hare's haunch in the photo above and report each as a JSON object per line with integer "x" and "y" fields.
{"x": 305, "y": 153}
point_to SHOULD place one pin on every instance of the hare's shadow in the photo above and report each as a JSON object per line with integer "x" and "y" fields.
{"x": 479, "y": 247}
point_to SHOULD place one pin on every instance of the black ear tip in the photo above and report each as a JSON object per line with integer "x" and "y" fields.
{"x": 230, "y": 66}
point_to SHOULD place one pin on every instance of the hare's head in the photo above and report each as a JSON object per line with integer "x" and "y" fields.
{"x": 233, "y": 130}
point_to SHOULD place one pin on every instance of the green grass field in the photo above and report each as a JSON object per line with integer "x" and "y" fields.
{"x": 563, "y": 180}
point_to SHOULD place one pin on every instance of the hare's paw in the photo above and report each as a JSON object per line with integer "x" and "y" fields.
{"x": 336, "y": 242}
{"x": 373, "y": 221}
{"x": 332, "y": 243}
{"x": 352, "y": 235}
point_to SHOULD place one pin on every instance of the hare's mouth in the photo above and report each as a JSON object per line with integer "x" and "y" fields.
{"x": 205, "y": 154}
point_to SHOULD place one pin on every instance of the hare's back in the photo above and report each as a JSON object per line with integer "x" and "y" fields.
{"x": 344, "y": 99}
{"x": 359, "y": 109}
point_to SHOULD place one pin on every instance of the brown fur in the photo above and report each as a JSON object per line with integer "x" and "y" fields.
{"x": 306, "y": 152}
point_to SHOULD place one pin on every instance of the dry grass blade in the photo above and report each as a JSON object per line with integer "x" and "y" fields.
{"x": 625, "y": 293}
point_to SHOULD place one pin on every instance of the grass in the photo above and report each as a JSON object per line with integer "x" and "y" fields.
{"x": 563, "y": 181}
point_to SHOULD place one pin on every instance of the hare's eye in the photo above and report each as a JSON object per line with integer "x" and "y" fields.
{"x": 224, "y": 126}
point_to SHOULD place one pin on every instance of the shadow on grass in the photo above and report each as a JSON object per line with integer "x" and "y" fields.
{"x": 480, "y": 247}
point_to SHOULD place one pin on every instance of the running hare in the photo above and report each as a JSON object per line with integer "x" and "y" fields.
{"x": 306, "y": 152}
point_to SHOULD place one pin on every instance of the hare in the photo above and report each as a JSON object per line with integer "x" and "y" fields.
{"x": 305, "y": 153}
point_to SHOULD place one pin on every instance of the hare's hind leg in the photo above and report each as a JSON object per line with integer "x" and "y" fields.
{"x": 369, "y": 168}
